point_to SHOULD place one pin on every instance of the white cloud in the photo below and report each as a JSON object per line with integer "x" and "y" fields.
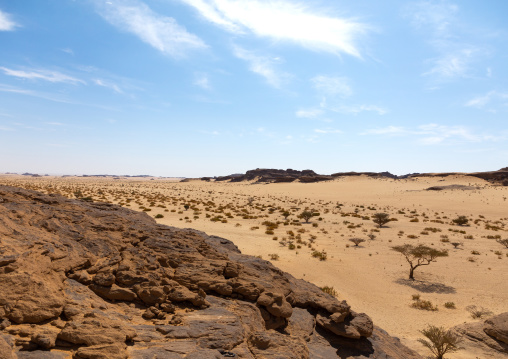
{"x": 327, "y": 131}
{"x": 312, "y": 113}
{"x": 390, "y": 130}
{"x": 46, "y": 75}
{"x": 356, "y": 109}
{"x": 161, "y": 32}
{"x": 456, "y": 49}
{"x": 284, "y": 20}
{"x": 108, "y": 84}
{"x": 491, "y": 101}
{"x": 332, "y": 86}
{"x": 432, "y": 134}
{"x": 202, "y": 80}
{"x": 6, "y": 24}
{"x": 264, "y": 66}
{"x": 68, "y": 51}
{"x": 450, "y": 65}
{"x": 437, "y": 16}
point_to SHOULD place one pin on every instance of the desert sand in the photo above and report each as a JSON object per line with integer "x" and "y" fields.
{"x": 371, "y": 277}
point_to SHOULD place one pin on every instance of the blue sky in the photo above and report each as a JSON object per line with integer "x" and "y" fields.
{"x": 213, "y": 87}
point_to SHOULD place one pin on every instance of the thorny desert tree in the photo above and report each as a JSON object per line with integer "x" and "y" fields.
{"x": 419, "y": 255}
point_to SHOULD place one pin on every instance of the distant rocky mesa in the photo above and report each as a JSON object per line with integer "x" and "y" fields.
{"x": 95, "y": 280}
{"x": 263, "y": 175}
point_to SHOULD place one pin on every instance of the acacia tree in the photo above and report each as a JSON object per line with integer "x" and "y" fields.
{"x": 357, "y": 241}
{"x": 440, "y": 341}
{"x": 460, "y": 220}
{"x": 419, "y": 255}
{"x": 286, "y": 214}
{"x": 381, "y": 218}
{"x": 306, "y": 215}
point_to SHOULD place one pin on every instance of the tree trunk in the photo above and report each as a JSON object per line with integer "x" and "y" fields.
{"x": 411, "y": 273}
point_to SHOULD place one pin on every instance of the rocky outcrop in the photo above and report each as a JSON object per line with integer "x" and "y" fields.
{"x": 276, "y": 176}
{"x": 490, "y": 336}
{"x": 368, "y": 174}
{"x": 95, "y": 280}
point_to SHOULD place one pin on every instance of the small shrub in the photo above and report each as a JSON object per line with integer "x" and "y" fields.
{"x": 329, "y": 290}
{"x": 449, "y": 305}
{"x": 159, "y": 216}
{"x": 440, "y": 341}
{"x": 274, "y": 257}
{"x": 476, "y": 253}
{"x": 321, "y": 255}
{"x": 424, "y": 305}
{"x": 478, "y": 312}
{"x": 416, "y": 297}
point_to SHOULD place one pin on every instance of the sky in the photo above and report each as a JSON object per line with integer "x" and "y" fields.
{"x": 194, "y": 88}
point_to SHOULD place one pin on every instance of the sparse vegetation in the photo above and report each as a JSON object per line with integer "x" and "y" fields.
{"x": 461, "y": 220}
{"x": 419, "y": 255}
{"x": 329, "y": 290}
{"x": 478, "y": 312}
{"x": 381, "y": 219}
{"x": 357, "y": 241}
{"x": 440, "y": 341}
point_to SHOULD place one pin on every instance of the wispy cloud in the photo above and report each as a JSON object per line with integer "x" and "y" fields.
{"x": 439, "y": 17}
{"x": 108, "y": 84}
{"x": 491, "y": 101}
{"x": 331, "y": 86}
{"x": 292, "y": 21}
{"x": 327, "y": 131}
{"x": 202, "y": 80}
{"x": 357, "y": 109}
{"x": 456, "y": 49}
{"x": 161, "y": 32}
{"x": 432, "y": 134}
{"x": 311, "y": 113}
{"x": 454, "y": 64}
{"x": 68, "y": 51}
{"x": 6, "y": 23}
{"x": 45, "y": 75}
{"x": 263, "y": 66}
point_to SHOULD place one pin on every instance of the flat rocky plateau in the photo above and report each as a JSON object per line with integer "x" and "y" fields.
{"x": 95, "y": 280}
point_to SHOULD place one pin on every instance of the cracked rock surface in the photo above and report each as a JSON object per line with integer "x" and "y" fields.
{"x": 95, "y": 280}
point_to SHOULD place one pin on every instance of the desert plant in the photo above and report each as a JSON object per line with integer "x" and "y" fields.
{"x": 424, "y": 305}
{"x": 449, "y": 305}
{"x": 306, "y": 215}
{"x": 456, "y": 244}
{"x": 357, "y": 241}
{"x": 419, "y": 255}
{"x": 440, "y": 341}
{"x": 286, "y": 214}
{"x": 159, "y": 216}
{"x": 478, "y": 312}
{"x": 380, "y": 219}
{"x": 504, "y": 242}
{"x": 329, "y": 290}
{"x": 371, "y": 236}
{"x": 274, "y": 257}
{"x": 460, "y": 220}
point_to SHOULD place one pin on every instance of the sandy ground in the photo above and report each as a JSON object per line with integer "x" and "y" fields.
{"x": 371, "y": 277}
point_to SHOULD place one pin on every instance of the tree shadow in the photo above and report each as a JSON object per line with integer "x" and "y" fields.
{"x": 427, "y": 287}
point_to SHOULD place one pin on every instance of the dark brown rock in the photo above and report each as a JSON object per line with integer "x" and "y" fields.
{"x": 497, "y": 327}
{"x": 112, "y": 283}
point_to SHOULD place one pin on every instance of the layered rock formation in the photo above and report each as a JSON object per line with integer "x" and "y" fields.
{"x": 490, "y": 337}
{"x": 276, "y": 176}
{"x": 95, "y": 280}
